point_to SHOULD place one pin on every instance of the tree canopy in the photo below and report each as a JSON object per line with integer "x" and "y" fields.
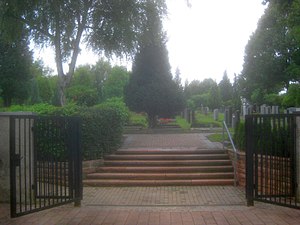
{"x": 226, "y": 89}
{"x": 109, "y": 27}
{"x": 15, "y": 64}
{"x": 272, "y": 55}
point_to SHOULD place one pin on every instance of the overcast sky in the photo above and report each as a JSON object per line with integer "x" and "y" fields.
{"x": 210, "y": 37}
{"x": 204, "y": 40}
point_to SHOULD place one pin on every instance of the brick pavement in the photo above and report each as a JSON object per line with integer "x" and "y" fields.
{"x": 104, "y": 215}
{"x": 160, "y": 205}
{"x": 168, "y": 196}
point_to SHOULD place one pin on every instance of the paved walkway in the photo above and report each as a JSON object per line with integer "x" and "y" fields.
{"x": 189, "y": 140}
{"x": 160, "y": 205}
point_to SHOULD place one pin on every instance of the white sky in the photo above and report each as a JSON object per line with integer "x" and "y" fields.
{"x": 204, "y": 40}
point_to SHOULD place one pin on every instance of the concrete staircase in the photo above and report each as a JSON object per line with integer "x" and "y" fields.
{"x": 163, "y": 167}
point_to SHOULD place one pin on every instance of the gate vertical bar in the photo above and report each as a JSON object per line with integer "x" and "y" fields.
{"x": 249, "y": 161}
{"x": 13, "y": 189}
{"x": 77, "y": 161}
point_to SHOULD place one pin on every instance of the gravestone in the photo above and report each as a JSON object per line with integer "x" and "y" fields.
{"x": 275, "y": 109}
{"x": 216, "y": 114}
{"x": 235, "y": 118}
{"x": 263, "y": 109}
{"x": 228, "y": 116}
{"x": 269, "y": 109}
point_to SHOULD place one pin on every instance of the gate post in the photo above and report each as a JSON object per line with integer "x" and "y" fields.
{"x": 4, "y": 158}
{"x": 249, "y": 162}
{"x": 297, "y": 119}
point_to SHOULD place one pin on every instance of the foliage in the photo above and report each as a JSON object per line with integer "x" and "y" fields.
{"x": 214, "y": 101}
{"x": 226, "y": 90}
{"x": 182, "y": 123}
{"x": 197, "y": 87}
{"x": 202, "y": 94}
{"x": 272, "y": 55}
{"x": 102, "y": 128}
{"x": 137, "y": 119}
{"x": 82, "y": 95}
{"x": 15, "y": 61}
{"x": 240, "y": 136}
{"x": 292, "y": 97}
{"x": 44, "y": 88}
{"x": 93, "y": 84}
{"x": 50, "y": 135}
{"x": 112, "y": 27}
{"x": 202, "y": 120}
{"x": 217, "y": 137}
{"x": 102, "y": 125}
{"x": 198, "y": 101}
{"x": 115, "y": 83}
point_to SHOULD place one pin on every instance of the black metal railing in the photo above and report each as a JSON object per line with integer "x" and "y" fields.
{"x": 45, "y": 164}
{"x": 271, "y": 159}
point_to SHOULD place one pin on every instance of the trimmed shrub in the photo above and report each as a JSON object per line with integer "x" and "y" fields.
{"x": 102, "y": 125}
{"x": 102, "y": 129}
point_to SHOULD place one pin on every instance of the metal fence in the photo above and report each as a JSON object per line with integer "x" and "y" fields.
{"x": 271, "y": 159}
{"x": 45, "y": 163}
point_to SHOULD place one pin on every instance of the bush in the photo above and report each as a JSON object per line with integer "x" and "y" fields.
{"x": 268, "y": 138}
{"x": 240, "y": 136}
{"x": 102, "y": 128}
{"x": 138, "y": 119}
{"x": 102, "y": 125}
{"x": 82, "y": 95}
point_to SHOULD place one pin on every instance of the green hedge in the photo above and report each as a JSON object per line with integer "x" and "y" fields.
{"x": 102, "y": 125}
{"x": 102, "y": 128}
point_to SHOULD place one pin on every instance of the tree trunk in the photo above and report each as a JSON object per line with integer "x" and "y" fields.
{"x": 152, "y": 121}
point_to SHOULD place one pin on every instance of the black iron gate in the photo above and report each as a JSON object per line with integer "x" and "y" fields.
{"x": 45, "y": 163}
{"x": 271, "y": 159}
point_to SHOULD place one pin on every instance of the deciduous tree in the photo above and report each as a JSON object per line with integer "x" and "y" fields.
{"x": 110, "y": 27}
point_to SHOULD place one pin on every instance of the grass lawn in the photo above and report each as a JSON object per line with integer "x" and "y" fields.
{"x": 202, "y": 120}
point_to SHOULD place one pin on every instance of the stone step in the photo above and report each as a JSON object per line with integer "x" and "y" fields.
{"x": 161, "y": 176}
{"x": 167, "y": 162}
{"x": 164, "y": 169}
{"x": 188, "y": 182}
{"x": 167, "y": 157}
{"x": 140, "y": 151}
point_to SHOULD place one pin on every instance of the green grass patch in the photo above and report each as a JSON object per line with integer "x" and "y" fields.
{"x": 138, "y": 119}
{"x": 182, "y": 123}
{"x": 217, "y": 137}
{"x": 202, "y": 120}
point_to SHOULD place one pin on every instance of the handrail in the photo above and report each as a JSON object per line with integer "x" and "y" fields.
{"x": 234, "y": 149}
